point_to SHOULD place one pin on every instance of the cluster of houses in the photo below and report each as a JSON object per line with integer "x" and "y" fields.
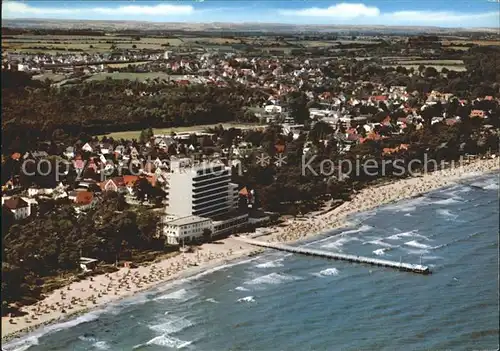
{"x": 198, "y": 195}
{"x": 40, "y": 62}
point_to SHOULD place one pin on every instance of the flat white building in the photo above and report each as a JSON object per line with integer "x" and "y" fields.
{"x": 200, "y": 189}
{"x": 186, "y": 229}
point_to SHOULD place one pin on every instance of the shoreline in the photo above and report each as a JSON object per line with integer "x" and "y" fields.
{"x": 226, "y": 251}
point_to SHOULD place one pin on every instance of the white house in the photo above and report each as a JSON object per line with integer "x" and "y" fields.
{"x": 273, "y": 109}
{"x": 69, "y": 153}
{"x": 87, "y": 147}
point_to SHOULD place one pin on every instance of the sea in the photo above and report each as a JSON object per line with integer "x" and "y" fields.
{"x": 282, "y": 301}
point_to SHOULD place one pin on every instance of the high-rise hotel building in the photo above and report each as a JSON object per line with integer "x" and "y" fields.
{"x": 203, "y": 189}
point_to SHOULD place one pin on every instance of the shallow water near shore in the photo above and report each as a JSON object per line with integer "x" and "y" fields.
{"x": 280, "y": 301}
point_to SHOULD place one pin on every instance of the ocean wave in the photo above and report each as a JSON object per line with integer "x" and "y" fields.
{"x": 432, "y": 258}
{"x": 362, "y": 229}
{"x": 491, "y": 187}
{"x": 168, "y": 285}
{"x": 379, "y": 242}
{"x": 271, "y": 264}
{"x": 101, "y": 345}
{"x": 96, "y": 344}
{"x": 327, "y": 272}
{"x": 337, "y": 244}
{"x": 410, "y": 234}
{"x": 416, "y": 244}
{"x": 181, "y": 294}
{"x": 273, "y": 278}
{"x": 458, "y": 240}
{"x": 456, "y": 190}
{"x": 416, "y": 252}
{"x": 489, "y": 184}
{"x": 24, "y": 343}
{"x": 448, "y": 201}
{"x": 241, "y": 288}
{"x": 381, "y": 252}
{"x": 406, "y": 206}
{"x": 211, "y": 300}
{"x": 446, "y": 213}
{"x": 246, "y": 299}
{"x": 171, "y": 325}
{"x": 167, "y": 341}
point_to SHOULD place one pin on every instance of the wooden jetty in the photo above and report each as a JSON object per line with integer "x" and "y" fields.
{"x": 415, "y": 268}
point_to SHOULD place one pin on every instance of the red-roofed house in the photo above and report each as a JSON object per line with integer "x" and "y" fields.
{"x": 388, "y": 150}
{"x": 116, "y": 184}
{"x": 20, "y": 208}
{"x": 477, "y": 113}
{"x": 450, "y": 121}
{"x": 379, "y": 98}
{"x": 130, "y": 180}
{"x": 84, "y": 197}
{"x": 280, "y": 148}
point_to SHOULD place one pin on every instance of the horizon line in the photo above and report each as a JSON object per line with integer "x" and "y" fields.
{"x": 245, "y": 23}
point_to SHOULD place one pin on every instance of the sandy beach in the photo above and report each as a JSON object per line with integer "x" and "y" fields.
{"x": 90, "y": 293}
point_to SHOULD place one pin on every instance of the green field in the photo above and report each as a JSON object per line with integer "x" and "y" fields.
{"x": 134, "y": 134}
{"x": 101, "y": 44}
{"x": 431, "y": 62}
{"x": 126, "y": 64}
{"x": 132, "y": 76}
{"x": 210, "y": 40}
{"x": 474, "y": 42}
{"x": 54, "y": 77}
{"x": 457, "y": 68}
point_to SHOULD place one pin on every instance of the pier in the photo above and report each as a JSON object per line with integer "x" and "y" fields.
{"x": 415, "y": 268}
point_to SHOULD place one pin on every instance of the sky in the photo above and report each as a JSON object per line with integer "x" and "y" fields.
{"x": 441, "y": 13}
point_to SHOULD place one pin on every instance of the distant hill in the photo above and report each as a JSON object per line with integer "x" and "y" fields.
{"x": 229, "y": 27}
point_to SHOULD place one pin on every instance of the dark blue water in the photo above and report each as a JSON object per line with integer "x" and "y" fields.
{"x": 280, "y": 301}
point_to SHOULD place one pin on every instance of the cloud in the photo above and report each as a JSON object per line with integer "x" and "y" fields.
{"x": 11, "y": 9}
{"x": 157, "y": 10}
{"x": 342, "y": 10}
{"x": 439, "y": 16}
{"x": 363, "y": 14}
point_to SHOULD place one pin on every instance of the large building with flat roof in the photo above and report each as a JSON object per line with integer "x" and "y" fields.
{"x": 203, "y": 189}
{"x": 200, "y": 196}
{"x": 186, "y": 229}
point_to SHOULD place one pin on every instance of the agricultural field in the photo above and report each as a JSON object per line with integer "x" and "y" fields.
{"x": 414, "y": 62}
{"x": 313, "y": 43}
{"x": 211, "y": 41}
{"x": 126, "y": 64}
{"x": 132, "y": 76}
{"x": 102, "y": 44}
{"x": 162, "y": 41}
{"x": 456, "y": 68}
{"x": 134, "y": 134}
{"x": 431, "y": 62}
{"x": 457, "y": 48}
{"x": 474, "y": 42}
{"x": 54, "y": 77}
